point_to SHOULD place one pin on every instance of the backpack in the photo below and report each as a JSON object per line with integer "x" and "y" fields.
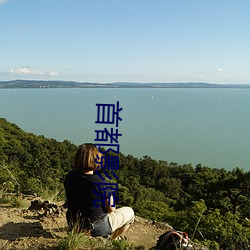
{"x": 172, "y": 240}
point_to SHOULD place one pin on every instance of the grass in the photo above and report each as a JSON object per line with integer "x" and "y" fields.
{"x": 19, "y": 202}
{"x": 5, "y": 200}
{"x": 82, "y": 241}
{"x": 75, "y": 241}
{"x": 14, "y": 201}
{"x": 51, "y": 195}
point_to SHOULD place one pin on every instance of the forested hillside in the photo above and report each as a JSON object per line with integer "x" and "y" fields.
{"x": 212, "y": 205}
{"x": 38, "y": 163}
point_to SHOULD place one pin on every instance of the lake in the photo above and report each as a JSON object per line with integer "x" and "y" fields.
{"x": 207, "y": 126}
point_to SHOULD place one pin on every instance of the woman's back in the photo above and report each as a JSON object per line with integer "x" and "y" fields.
{"x": 83, "y": 195}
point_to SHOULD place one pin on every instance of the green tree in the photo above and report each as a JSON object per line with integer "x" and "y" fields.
{"x": 236, "y": 188}
{"x": 154, "y": 210}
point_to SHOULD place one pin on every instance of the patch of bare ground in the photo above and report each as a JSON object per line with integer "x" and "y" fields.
{"x": 31, "y": 229}
{"x": 145, "y": 232}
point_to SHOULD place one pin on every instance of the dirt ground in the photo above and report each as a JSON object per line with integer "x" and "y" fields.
{"x": 25, "y": 229}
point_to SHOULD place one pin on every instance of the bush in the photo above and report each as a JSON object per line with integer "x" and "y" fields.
{"x": 153, "y": 210}
{"x": 75, "y": 241}
{"x": 81, "y": 241}
{"x": 5, "y": 200}
{"x": 18, "y": 202}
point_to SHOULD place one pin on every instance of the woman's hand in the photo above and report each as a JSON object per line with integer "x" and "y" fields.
{"x": 110, "y": 208}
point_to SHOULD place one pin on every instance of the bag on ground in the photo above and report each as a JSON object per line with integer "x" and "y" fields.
{"x": 172, "y": 240}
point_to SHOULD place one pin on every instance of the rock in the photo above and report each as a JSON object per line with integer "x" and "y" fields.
{"x": 47, "y": 207}
{"x": 36, "y": 205}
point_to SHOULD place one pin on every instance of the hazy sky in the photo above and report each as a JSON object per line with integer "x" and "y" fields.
{"x": 125, "y": 40}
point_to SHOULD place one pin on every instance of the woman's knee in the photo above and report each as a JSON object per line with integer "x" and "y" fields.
{"x": 129, "y": 214}
{"x": 131, "y": 211}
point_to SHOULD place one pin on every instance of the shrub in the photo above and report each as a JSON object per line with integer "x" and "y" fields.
{"x": 153, "y": 210}
{"x": 75, "y": 241}
{"x": 18, "y": 202}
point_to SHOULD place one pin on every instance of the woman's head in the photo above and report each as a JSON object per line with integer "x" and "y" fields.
{"x": 85, "y": 157}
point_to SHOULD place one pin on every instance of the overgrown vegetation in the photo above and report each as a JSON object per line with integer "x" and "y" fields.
{"x": 212, "y": 205}
{"x": 81, "y": 241}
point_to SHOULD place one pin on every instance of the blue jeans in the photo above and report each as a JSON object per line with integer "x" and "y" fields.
{"x": 101, "y": 227}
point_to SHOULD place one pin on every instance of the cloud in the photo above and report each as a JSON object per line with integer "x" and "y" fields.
{"x": 22, "y": 71}
{"x": 53, "y": 73}
{"x": 31, "y": 71}
{"x": 211, "y": 72}
{"x": 218, "y": 70}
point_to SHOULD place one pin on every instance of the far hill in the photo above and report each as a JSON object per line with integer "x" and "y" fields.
{"x": 71, "y": 84}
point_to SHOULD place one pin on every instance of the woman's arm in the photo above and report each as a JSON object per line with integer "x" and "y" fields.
{"x": 110, "y": 201}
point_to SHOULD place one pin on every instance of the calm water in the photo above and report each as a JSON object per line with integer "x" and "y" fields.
{"x": 207, "y": 126}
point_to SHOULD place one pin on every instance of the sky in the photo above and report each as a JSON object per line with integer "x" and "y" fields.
{"x": 125, "y": 40}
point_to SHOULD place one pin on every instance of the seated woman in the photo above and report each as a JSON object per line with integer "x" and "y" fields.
{"x": 86, "y": 211}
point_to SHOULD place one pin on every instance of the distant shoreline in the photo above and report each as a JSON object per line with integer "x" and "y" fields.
{"x": 21, "y": 84}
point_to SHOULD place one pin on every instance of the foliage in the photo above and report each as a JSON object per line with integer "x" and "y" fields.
{"x": 18, "y": 202}
{"x": 75, "y": 241}
{"x": 37, "y": 162}
{"x": 83, "y": 241}
{"x": 5, "y": 199}
{"x": 212, "y": 205}
{"x": 153, "y": 210}
{"x": 211, "y": 227}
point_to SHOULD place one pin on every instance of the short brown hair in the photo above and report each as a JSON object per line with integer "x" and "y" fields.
{"x": 85, "y": 157}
